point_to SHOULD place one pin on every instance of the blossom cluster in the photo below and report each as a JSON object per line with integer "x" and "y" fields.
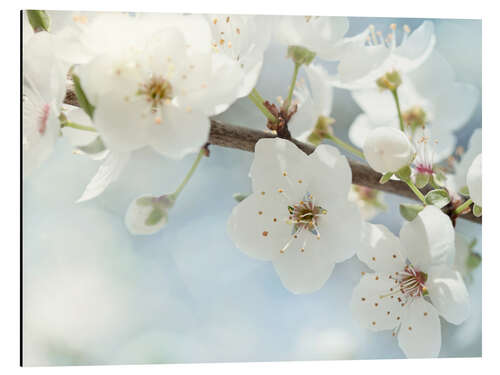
{"x": 148, "y": 80}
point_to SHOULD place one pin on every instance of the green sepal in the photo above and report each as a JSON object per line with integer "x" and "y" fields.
{"x": 155, "y": 216}
{"x": 39, "y": 20}
{"x": 144, "y": 201}
{"x": 477, "y": 211}
{"x": 410, "y": 211}
{"x": 386, "y": 177}
{"x": 437, "y": 197}
{"x": 82, "y": 98}
{"x": 473, "y": 261}
{"x": 301, "y": 55}
{"x": 439, "y": 178}
{"x": 404, "y": 173}
{"x": 239, "y": 197}
{"x": 421, "y": 180}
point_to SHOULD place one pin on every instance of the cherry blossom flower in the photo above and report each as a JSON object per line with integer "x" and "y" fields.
{"x": 429, "y": 98}
{"x": 242, "y": 40}
{"x": 323, "y": 36}
{"x": 413, "y": 282}
{"x": 313, "y": 102}
{"x": 159, "y": 88}
{"x": 388, "y": 150}
{"x": 370, "y": 56}
{"x": 44, "y": 87}
{"x": 457, "y": 181}
{"x": 466, "y": 259}
{"x": 148, "y": 214}
{"x": 474, "y": 181}
{"x": 298, "y": 215}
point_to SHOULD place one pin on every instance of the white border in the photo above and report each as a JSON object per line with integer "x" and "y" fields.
{"x": 9, "y": 104}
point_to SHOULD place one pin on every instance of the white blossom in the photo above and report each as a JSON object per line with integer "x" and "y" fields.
{"x": 148, "y": 214}
{"x": 474, "y": 181}
{"x": 429, "y": 98}
{"x": 413, "y": 282}
{"x": 370, "y": 56}
{"x": 388, "y": 150}
{"x": 44, "y": 87}
{"x": 313, "y": 101}
{"x": 370, "y": 201}
{"x": 457, "y": 181}
{"x": 322, "y": 35}
{"x": 298, "y": 215}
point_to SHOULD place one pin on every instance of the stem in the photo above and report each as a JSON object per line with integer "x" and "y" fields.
{"x": 292, "y": 85}
{"x": 189, "y": 174}
{"x": 463, "y": 206}
{"x": 258, "y": 100}
{"x": 400, "y": 116}
{"x": 417, "y": 192}
{"x": 74, "y": 125}
{"x": 346, "y": 146}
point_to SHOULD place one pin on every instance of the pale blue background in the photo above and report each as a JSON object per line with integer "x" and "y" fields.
{"x": 94, "y": 294}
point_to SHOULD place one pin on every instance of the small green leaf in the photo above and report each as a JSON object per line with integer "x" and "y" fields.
{"x": 144, "y": 201}
{"x": 473, "y": 261}
{"x": 439, "y": 178}
{"x": 421, "y": 180}
{"x": 437, "y": 197}
{"x": 410, "y": 211}
{"x": 155, "y": 216}
{"x": 238, "y": 197}
{"x": 82, "y": 98}
{"x": 477, "y": 211}
{"x": 404, "y": 173}
{"x": 39, "y": 20}
{"x": 386, "y": 177}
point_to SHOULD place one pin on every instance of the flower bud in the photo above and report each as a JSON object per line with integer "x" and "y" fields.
{"x": 389, "y": 81}
{"x": 300, "y": 55}
{"x": 474, "y": 181}
{"x": 148, "y": 214}
{"x": 388, "y": 150}
{"x": 415, "y": 117}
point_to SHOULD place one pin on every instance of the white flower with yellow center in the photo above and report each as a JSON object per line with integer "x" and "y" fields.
{"x": 44, "y": 87}
{"x": 298, "y": 215}
{"x": 414, "y": 282}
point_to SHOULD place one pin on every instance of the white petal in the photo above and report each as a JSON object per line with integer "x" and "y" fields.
{"x": 75, "y": 136}
{"x": 253, "y": 228}
{"x": 322, "y": 93}
{"x": 462, "y": 167}
{"x": 280, "y": 164}
{"x": 331, "y": 174}
{"x": 449, "y": 294}
{"x": 455, "y": 106}
{"x": 181, "y": 132}
{"x": 429, "y": 239}
{"x": 108, "y": 172}
{"x": 360, "y": 129}
{"x": 419, "y": 44}
{"x": 307, "y": 271}
{"x": 420, "y": 331}
{"x": 374, "y": 304}
{"x": 306, "y": 117}
{"x": 379, "y": 106}
{"x": 381, "y": 250}
{"x": 474, "y": 181}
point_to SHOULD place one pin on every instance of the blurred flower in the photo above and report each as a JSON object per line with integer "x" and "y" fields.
{"x": 313, "y": 102}
{"x": 474, "y": 181}
{"x": 407, "y": 269}
{"x": 298, "y": 215}
{"x": 148, "y": 214}
{"x": 242, "y": 40}
{"x": 458, "y": 180}
{"x": 370, "y": 57}
{"x": 44, "y": 87}
{"x": 388, "y": 150}
{"x": 370, "y": 201}
{"x": 429, "y": 97}
{"x": 466, "y": 259}
{"x": 323, "y": 36}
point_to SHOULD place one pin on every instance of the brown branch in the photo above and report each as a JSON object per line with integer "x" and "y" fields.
{"x": 244, "y": 139}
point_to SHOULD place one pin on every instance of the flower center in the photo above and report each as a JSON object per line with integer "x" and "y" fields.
{"x": 411, "y": 283}
{"x": 415, "y": 117}
{"x": 157, "y": 91}
{"x": 303, "y": 216}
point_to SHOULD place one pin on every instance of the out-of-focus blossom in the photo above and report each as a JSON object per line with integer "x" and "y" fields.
{"x": 457, "y": 181}
{"x": 370, "y": 201}
{"x": 371, "y": 56}
{"x": 413, "y": 282}
{"x": 148, "y": 214}
{"x": 474, "y": 181}
{"x": 298, "y": 215}
{"x": 429, "y": 97}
